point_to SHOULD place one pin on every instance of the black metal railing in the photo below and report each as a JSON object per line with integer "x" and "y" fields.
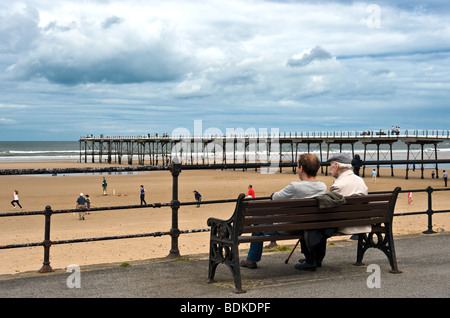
{"x": 429, "y": 212}
{"x": 175, "y": 204}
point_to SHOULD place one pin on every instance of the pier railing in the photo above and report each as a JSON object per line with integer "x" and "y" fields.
{"x": 403, "y": 133}
{"x": 175, "y": 204}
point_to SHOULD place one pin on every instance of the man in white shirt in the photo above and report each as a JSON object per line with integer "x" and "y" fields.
{"x": 347, "y": 184}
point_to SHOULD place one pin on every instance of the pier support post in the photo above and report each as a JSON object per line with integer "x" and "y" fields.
{"x": 407, "y": 161}
{"x": 436, "y": 158}
{"x": 422, "y": 168}
{"x": 392, "y": 158}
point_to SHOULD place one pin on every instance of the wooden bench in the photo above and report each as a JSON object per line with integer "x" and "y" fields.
{"x": 302, "y": 214}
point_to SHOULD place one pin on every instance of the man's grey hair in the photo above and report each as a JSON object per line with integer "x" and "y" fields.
{"x": 344, "y": 166}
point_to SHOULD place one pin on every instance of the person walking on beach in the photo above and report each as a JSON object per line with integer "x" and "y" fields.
{"x": 374, "y": 176}
{"x": 88, "y": 202}
{"x": 142, "y": 192}
{"x": 198, "y": 197}
{"x": 104, "y": 186}
{"x": 445, "y": 176}
{"x": 81, "y": 206}
{"x": 16, "y": 199}
{"x": 251, "y": 192}
{"x": 410, "y": 198}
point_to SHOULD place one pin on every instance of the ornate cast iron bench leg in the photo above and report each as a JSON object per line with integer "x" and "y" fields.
{"x": 384, "y": 242}
{"x": 224, "y": 250}
{"x": 361, "y": 249}
{"x": 391, "y": 256}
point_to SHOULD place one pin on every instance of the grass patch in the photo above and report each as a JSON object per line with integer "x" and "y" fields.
{"x": 125, "y": 264}
{"x": 279, "y": 248}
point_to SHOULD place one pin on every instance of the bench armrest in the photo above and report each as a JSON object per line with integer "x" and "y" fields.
{"x": 215, "y": 221}
{"x": 227, "y": 229}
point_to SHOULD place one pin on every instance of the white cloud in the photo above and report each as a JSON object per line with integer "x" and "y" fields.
{"x": 112, "y": 59}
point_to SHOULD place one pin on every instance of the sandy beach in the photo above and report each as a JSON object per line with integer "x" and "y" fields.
{"x": 61, "y": 192}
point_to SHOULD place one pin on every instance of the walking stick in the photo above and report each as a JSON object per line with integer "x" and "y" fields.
{"x": 290, "y": 254}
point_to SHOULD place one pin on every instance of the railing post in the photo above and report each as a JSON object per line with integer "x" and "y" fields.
{"x": 429, "y": 212}
{"x": 175, "y": 168}
{"x": 46, "y": 268}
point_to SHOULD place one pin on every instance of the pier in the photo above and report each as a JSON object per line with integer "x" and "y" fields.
{"x": 277, "y": 148}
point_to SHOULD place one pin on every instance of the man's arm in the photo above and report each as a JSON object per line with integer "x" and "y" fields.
{"x": 284, "y": 194}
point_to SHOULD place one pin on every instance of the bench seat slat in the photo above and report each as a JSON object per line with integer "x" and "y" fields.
{"x": 250, "y": 239}
{"x": 271, "y": 219}
{"x": 281, "y": 237}
{"x": 261, "y": 211}
{"x": 313, "y": 225}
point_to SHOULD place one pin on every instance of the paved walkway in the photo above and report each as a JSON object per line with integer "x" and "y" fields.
{"x": 423, "y": 259}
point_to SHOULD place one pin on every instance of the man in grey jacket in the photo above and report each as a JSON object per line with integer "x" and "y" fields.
{"x": 309, "y": 187}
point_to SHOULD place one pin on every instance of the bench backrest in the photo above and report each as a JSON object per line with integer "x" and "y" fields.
{"x": 304, "y": 214}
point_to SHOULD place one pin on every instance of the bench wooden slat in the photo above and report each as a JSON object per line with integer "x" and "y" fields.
{"x": 266, "y": 220}
{"x": 312, "y": 225}
{"x": 261, "y": 211}
{"x": 264, "y": 238}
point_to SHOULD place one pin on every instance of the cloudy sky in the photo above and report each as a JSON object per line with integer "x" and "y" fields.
{"x": 71, "y": 68}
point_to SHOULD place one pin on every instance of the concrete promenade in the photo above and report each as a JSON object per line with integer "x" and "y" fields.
{"x": 423, "y": 259}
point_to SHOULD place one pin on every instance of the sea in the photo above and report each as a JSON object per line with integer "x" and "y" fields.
{"x": 36, "y": 151}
